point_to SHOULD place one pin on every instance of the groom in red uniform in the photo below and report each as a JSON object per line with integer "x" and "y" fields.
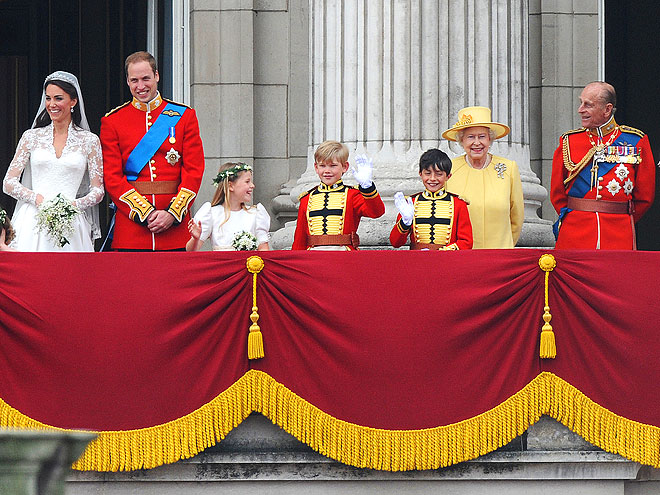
{"x": 153, "y": 163}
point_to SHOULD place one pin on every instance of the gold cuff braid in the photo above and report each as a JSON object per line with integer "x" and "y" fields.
{"x": 139, "y": 205}
{"x": 179, "y": 205}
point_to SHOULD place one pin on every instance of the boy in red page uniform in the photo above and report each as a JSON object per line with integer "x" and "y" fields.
{"x": 434, "y": 218}
{"x": 329, "y": 214}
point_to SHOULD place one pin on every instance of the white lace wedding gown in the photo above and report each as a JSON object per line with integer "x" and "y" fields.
{"x": 51, "y": 175}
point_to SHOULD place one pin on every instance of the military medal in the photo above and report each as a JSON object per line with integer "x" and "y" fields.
{"x": 172, "y": 136}
{"x": 623, "y": 154}
{"x": 172, "y": 156}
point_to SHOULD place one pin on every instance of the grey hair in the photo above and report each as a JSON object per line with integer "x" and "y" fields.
{"x": 461, "y": 133}
{"x": 607, "y": 93}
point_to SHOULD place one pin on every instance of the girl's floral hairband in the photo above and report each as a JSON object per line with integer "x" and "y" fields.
{"x": 230, "y": 172}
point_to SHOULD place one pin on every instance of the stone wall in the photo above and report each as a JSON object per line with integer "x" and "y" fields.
{"x": 251, "y": 77}
{"x": 563, "y": 58}
{"x": 250, "y": 89}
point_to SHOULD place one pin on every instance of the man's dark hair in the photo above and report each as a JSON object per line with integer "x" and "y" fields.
{"x": 434, "y": 158}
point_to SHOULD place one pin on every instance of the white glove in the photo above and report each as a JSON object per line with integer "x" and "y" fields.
{"x": 365, "y": 171}
{"x": 405, "y": 207}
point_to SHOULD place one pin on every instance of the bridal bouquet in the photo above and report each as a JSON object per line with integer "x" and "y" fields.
{"x": 244, "y": 241}
{"x": 55, "y": 218}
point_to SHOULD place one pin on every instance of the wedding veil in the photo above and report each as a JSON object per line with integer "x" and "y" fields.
{"x": 92, "y": 213}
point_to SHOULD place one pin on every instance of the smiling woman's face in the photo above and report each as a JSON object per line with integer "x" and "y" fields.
{"x": 476, "y": 142}
{"x": 59, "y": 104}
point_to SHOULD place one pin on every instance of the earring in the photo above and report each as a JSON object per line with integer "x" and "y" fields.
{"x": 71, "y": 109}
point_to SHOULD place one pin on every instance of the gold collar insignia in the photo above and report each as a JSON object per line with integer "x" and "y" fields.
{"x": 148, "y": 107}
{"x": 333, "y": 187}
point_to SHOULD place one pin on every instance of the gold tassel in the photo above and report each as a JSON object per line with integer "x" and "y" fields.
{"x": 255, "y": 339}
{"x": 547, "y": 347}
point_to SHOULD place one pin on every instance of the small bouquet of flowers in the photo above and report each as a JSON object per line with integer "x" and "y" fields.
{"x": 244, "y": 241}
{"x": 55, "y": 218}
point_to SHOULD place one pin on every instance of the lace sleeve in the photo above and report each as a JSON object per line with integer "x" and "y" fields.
{"x": 12, "y": 183}
{"x": 95, "y": 171}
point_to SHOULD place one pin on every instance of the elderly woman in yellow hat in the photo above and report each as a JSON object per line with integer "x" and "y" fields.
{"x": 491, "y": 184}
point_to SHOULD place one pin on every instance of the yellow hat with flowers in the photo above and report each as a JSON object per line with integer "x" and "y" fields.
{"x": 475, "y": 117}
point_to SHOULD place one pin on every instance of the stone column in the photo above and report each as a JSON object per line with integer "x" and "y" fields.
{"x": 564, "y": 54}
{"x": 387, "y": 78}
{"x": 36, "y": 462}
{"x": 222, "y": 83}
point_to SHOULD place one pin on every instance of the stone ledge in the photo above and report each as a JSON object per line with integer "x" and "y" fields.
{"x": 301, "y": 467}
{"x": 259, "y": 451}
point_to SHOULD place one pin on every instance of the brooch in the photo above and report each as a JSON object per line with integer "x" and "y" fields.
{"x": 172, "y": 156}
{"x": 500, "y": 168}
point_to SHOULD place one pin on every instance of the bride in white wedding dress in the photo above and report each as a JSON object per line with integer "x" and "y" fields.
{"x": 58, "y": 155}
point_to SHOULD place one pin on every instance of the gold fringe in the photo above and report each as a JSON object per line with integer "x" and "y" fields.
{"x": 361, "y": 446}
{"x": 633, "y": 440}
{"x": 145, "y": 448}
{"x": 395, "y": 450}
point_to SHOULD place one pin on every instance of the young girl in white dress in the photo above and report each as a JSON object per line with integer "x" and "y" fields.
{"x": 58, "y": 155}
{"x": 228, "y": 219}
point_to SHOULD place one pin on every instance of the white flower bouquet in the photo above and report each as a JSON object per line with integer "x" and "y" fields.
{"x": 55, "y": 218}
{"x": 244, "y": 241}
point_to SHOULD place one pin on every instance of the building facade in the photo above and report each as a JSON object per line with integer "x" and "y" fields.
{"x": 278, "y": 78}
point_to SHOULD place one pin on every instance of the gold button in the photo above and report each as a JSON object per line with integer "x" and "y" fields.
{"x": 153, "y": 168}
{"x": 149, "y": 116}
{"x": 600, "y": 187}
{"x": 598, "y": 196}
{"x": 149, "y": 124}
{"x": 599, "y": 179}
{"x": 152, "y": 161}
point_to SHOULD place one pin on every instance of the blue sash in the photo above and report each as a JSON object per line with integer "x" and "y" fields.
{"x": 152, "y": 140}
{"x": 582, "y": 181}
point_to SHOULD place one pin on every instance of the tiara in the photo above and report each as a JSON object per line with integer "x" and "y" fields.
{"x": 3, "y": 216}
{"x": 60, "y": 75}
{"x": 230, "y": 172}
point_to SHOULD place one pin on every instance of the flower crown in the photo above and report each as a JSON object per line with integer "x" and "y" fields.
{"x": 3, "y": 216}
{"x": 230, "y": 172}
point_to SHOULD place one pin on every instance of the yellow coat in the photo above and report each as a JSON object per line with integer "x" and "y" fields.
{"x": 495, "y": 200}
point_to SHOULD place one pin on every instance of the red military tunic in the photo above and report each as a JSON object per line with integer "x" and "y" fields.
{"x": 624, "y": 174}
{"x": 121, "y": 130}
{"x": 440, "y": 219}
{"x": 336, "y": 209}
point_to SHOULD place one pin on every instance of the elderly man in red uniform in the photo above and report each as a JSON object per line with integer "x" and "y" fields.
{"x": 153, "y": 163}
{"x": 603, "y": 177}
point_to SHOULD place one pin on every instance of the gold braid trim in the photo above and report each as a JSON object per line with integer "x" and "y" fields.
{"x": 361, "y": 446}
{"x": 574, "y": 168}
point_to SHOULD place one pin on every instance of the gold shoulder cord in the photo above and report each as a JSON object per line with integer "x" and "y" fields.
{"x": 574, "y": 168}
